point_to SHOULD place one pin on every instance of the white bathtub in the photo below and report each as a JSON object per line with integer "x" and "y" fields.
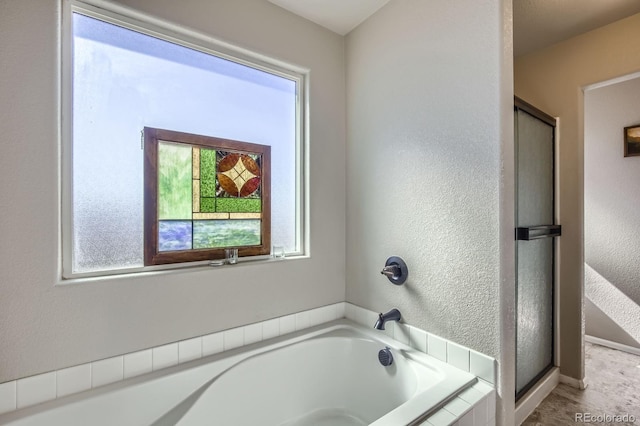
{"x": 326, "y": 375}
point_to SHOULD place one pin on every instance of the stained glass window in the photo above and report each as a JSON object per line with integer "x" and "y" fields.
{"x": 204, "y": 194}
{"x": 125, "y": 73}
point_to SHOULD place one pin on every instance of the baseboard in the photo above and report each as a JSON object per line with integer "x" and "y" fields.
{"x": 535, "y": 396}
{"x": 612, "y": 345}
{"x": 574, "y": 383}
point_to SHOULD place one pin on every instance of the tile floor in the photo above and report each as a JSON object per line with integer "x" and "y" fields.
{"x": 613, "y": 379}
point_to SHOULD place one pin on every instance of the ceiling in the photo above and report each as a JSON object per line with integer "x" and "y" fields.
{"x": 537, "y": 23}
{"x": 340, "y": 16}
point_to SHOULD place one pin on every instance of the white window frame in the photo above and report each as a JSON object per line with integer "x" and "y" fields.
{"x": 142, "y": 23}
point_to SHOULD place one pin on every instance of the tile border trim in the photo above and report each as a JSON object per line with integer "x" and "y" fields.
{"x": 16, "y": 394}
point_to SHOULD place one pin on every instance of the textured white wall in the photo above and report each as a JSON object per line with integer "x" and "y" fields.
{"x": 552, "y": 79}
{"x": 430, "y": 106}
{"x": 611, "y": 205}
{"x": 609, "y": 313}
{"x": 45, "y": 327}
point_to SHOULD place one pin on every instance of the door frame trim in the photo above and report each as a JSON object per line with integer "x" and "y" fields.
{"x": 530, "y": 401}
{"x": 530, "y": 109}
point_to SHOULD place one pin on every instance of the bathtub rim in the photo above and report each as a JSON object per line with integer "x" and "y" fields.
{"x": 337, "y": 331}
{"x": 232, "y": 356}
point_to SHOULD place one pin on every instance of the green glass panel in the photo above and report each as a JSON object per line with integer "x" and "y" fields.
{"x": 207, "y": 205}
{"x": 174, "y": 181}
{"x": 207, "y": 173}
{"x": 238, "y": 205}
{"x": 225, "y": 233}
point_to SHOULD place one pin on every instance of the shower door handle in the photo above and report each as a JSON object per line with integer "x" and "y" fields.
{"x": 537, "y": 232}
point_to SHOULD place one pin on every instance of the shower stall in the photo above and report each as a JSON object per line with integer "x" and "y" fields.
{"x": 536, "y": 234}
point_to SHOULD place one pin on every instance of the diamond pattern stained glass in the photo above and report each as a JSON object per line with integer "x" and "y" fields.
{"x": 209, "y": 196}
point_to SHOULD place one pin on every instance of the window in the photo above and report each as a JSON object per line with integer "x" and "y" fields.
{"x": 202, "y": 195}
{"x": 125, "y": 75}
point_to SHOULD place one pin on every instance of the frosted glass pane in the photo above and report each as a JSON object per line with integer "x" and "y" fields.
{"x": 534, "y": 329}
{"x": 124, "y": 81}
{"x": 534, "y": 309}
{"x": 535, "y": 171}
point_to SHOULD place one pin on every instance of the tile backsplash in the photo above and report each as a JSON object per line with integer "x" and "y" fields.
{"x": 475, "y": 406}
{"x": 466, "y": 359}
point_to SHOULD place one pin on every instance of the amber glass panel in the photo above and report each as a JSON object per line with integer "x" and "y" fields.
{"x": 238, "y": 175}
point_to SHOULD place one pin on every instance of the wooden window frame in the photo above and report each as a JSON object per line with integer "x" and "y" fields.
{"x": 152, "y": 256}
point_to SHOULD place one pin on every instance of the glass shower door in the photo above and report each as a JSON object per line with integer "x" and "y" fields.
{"x": 535, "y": 249}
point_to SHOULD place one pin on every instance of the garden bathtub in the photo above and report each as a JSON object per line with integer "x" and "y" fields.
{"x": 325, "y": 375}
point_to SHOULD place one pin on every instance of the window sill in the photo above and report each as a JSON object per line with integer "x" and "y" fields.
{"x": 159, "y": 270}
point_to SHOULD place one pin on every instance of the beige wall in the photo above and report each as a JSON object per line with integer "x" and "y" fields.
{"x": 45, "y": 327}
{"x": 611, "y": 220}
{"x": 552, "y": 79}
{"x": 430, "y": 171}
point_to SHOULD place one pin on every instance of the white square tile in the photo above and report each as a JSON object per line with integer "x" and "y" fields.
{"x": 484, "y": 388}
{"x": 471, "y": 395}
{"x": 389, "y": 329}
{"x": 253, "y": 333}
{"x": 107, "y": 371}
{"x": 73, "y": 380}
{"x": 480, "y": 412}
{"x": 314, "y": 317}
{"x": 491, "y": 404}
{"x": 442, "y": 418}
{"x": 458, "y": 356}
{"x": 368, "y": 318}
{"x": 321, "y": 315}
{"x": 271, "y": 328}
{"x": 400, "y": 332}
{"x": 340, "y": 310}
{"x": 332, "y": 312}
{"x": 466, "y": 420}
{"x": 287, "y": 324}
{"x": 302, "y": 320}
{"x": 458, "y": 407}
{"x": 189, "y": 349}
{"x": 350, "y": 312}
{"x": 233, "y": 338}
{"x": 138, "y": 363}
{"x": 7, "y": 397}
{"x": 212, "y": 344}
{"x": 36, "y": 389}
{"x": 482, "y": 366}
{"x": 165, "y": 356}
{"x": 437, "y": 347}
{"x": 418, "y": 339}
{"x": 362, "y": 316}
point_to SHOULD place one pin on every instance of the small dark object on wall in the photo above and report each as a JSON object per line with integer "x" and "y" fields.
{"x": 632, "y": 141}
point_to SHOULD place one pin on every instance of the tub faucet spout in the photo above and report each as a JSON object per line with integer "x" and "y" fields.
{"x": 392, "y": 315}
